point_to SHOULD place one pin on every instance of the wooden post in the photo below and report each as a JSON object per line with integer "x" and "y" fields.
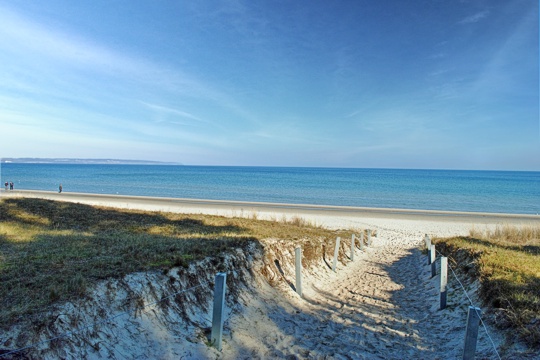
{"x": 429, "y": 255}
{"x": 218, "y": 313}
{"x": 362, "y": 240}
{"x": 471, "y": 334}
{"x": 336, "y": 252}
{"x": 352, "y": 247}
{"x": 369, "y": 237}
{"x": 298, "y": 258}
{"x": 433, "y": 264}
{"x": 427, "y": 240}
{"x": 444, "y": 281}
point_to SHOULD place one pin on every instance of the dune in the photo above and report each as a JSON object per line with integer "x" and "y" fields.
{"x": 382, "y": 305}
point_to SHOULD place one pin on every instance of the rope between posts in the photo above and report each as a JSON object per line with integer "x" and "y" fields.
{"x": 69, "y": 333}
{"x": 472, "y": 304}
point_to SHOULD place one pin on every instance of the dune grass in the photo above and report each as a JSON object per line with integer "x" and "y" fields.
{"x": 507, "y": 263}
{"x": 54, "y": 251}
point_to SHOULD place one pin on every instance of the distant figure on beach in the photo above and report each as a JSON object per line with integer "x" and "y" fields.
{"x": 11, "y": 185}
{"x": 6, "y": 185}
{"x": 60, "y": 188}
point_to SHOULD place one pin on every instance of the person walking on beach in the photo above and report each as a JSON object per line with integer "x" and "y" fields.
{"x": 60, "y": 189}
{"x": 11, "y": 185}
{"x": 6, "y": 185}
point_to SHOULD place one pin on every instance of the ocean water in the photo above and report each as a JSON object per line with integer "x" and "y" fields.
{"x": 477, "y": 191}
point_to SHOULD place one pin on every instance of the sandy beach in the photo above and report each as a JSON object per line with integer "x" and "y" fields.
{"x": 382, "y": 305}
{"x": 327, "y": 215}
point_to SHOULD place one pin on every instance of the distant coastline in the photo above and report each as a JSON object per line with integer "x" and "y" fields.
{"x": 84, "y": 161}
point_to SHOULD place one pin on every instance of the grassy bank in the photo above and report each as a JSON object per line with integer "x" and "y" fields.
{"x": 54, "y": 251}
{"x": 507, "y": 263}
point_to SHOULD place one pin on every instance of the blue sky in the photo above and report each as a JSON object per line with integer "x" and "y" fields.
{"x": 363, "y": 83}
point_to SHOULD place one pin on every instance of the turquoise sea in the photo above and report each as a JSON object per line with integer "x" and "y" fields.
{"x": 478, "y": 191}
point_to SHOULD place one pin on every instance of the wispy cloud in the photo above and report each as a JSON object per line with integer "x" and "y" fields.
{"x": 514, "y": 63}
{"x": 474, "y": 18}
{"x": 174, "y": 112}
{"x": 58, "y": 49}
{"x": 440, "y": 72}
{"x": 439, "y": 55}
{"x": 22, "y": 34}
{"x": 288, "y": 131}
{"x": 451, "y": 89}
{"x": 354, "y": 114}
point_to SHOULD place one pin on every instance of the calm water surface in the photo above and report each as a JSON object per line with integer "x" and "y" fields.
{"x": 484, "y": 191}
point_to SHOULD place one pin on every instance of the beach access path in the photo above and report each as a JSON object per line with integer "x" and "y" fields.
{"x": 382, "y": 305}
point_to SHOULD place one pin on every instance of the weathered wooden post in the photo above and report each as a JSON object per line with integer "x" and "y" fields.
{"x": 218, "y": 314}
{"x": 336, "y": 253}
{"x": 471, "y": 334}
{"x": 444, "y": 281}
{"x": 362, "y": 240}
{"x": 428, "y": 247}
{"x": 427, "y": 240}
{"x": 352, "y": 247}
{"x": 298, "y": 262}
{"x": 433, "y": 264}
{"x": 369, "y": 237}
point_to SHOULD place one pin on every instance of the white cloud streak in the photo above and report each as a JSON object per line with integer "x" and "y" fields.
{"x": 474, "y": 18}
{"x": 174, "y": 112}
{"x": 28, "y": 39}
{"x": 21, "y": 35}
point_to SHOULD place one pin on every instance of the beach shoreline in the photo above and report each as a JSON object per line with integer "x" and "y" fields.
{"x": 329, "y": 215}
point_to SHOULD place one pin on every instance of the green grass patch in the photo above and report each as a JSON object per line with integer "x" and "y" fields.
{"x": 507, "y": 263}
{"x": 54, "y": 251}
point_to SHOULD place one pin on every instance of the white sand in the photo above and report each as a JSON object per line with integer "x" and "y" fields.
{"x": 384, "y": 305}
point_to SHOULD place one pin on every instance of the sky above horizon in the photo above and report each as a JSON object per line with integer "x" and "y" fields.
{"x": 379, "y": 84}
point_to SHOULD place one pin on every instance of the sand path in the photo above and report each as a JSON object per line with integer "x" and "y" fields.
{"x": 384, "y": 305}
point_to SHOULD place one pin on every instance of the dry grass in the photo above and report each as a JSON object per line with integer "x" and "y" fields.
{"x": 507, "y": 262}
{"x": 519, "y": 235}
{"x": 54, "y": 251}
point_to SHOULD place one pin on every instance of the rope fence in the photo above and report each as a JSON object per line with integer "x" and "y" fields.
{"x": 470, "y": 339}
